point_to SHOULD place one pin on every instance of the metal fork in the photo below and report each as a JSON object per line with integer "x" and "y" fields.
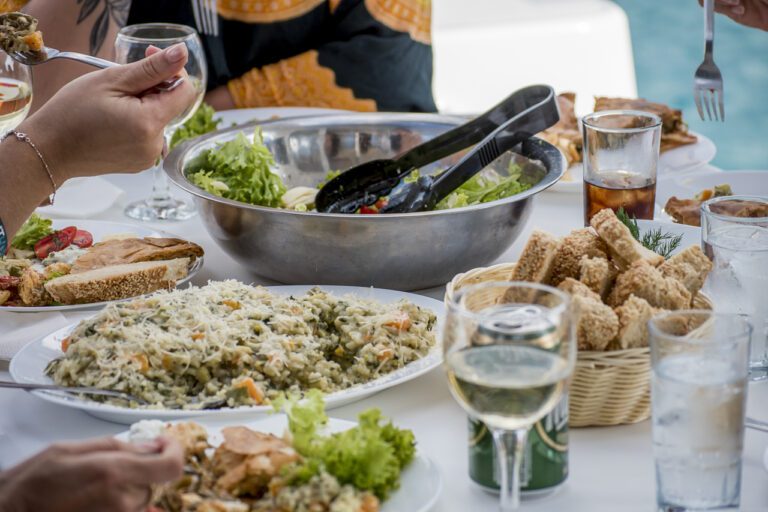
{"x": 71, "y": 390}
{"x": 33, "y": 58}
{"x": 206, "y": 16}
{"x": 708, "y": 81}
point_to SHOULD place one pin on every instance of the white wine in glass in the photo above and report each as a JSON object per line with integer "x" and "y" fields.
{"x": 509, "y": 353}
{"x": 130, "y": 46}
{"x": 15, "y": 93}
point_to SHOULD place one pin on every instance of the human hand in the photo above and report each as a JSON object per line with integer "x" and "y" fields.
{"x": 109, "y": 120}
{"x": 102, "y": 474}
{"x": 752, "y": 13}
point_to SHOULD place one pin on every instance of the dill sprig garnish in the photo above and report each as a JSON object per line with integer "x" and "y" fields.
{"x": 656, "y": 240}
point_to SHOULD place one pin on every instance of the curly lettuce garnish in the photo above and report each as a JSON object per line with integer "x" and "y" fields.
{"x": 200, "y": 123}
{"x": 369, "y": 456}
{"x": 239, "y": 170}
{"x": 35, "y": 228}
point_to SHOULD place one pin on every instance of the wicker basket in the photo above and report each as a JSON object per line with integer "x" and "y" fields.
{"x": 608, "y": 388}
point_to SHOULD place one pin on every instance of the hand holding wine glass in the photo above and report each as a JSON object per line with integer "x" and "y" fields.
{"x": 509, "y": 351}
{"x": 131, "y": 45}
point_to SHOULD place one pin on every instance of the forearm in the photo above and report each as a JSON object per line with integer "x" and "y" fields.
{"x": 24, "y": 181}
{"x": 94, "y": 34}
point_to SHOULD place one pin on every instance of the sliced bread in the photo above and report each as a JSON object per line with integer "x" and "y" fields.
{"x": 117, "y": 281}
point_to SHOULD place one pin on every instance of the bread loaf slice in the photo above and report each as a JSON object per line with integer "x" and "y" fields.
{"x": 117, "y": 281}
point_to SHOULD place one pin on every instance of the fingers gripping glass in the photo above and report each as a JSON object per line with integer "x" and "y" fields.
{"x": 131, "y": 45}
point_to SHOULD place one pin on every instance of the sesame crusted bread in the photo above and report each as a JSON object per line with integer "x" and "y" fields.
{"x": 690, "y": 267}
{"x": 623, "y": 247}
{"x": 580, "y": 243}
{"x": 117, "y": 281}
{"x": 598, "y": 274}
{"x": 535, "y": 263}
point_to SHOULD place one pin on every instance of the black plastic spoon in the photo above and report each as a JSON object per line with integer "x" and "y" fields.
{"x": 427, "y": 191}
{"x": 364, "y": 184}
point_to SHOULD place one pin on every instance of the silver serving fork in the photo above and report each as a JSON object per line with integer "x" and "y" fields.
{"x": 33, "y": 58}
{"x": 708, "y": 81}
{"x": 206, "y": 16}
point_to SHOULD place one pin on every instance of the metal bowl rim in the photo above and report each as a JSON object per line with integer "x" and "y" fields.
{"x": 175, "y": 158}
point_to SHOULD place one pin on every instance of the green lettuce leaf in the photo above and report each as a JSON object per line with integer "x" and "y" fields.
{"x": 484, "y": 187}
{"x": 369, "y": 456}
{"x": 31, "y": 232}
{"x": 200, "y": 123}
{"x": 239, "y": 170}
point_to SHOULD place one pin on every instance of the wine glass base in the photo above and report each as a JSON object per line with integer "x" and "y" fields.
{"x": 172, "y": 209}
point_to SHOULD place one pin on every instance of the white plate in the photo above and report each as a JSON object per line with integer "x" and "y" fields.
{"x": 100, "y": 229}
{"x": 420, "y": 482}
{"x": 29, "y": 366}
{"x": 691, "y": 234}
{"x": 247, "y": 115}
{"x": 749, "y": 183}
{"x": 676, "y": 161}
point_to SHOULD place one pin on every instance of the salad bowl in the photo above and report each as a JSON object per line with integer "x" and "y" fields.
{"x": 408, "y": 251}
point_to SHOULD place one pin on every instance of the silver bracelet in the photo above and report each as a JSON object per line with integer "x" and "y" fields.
{"x": 23, "y": 137}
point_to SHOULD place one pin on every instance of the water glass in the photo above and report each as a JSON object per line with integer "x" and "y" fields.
{"x": 509, "y": 350}
{"x": 699, "y": 389}
{"x": 738, "y": 283}
{"x": 131, "y": 45}
{"x": 621, "y": 153}
{"x": 15, "y": 93}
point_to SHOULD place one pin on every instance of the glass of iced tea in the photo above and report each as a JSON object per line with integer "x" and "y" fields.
{"x": 621, "y": 152}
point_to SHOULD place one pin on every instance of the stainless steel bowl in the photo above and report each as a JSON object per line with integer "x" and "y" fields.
{"x": 400, "y": 251}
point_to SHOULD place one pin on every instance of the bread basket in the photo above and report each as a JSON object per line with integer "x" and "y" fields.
{"x": 607, "y": 388}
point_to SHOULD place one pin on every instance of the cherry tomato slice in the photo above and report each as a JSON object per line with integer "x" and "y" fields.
{"x": 55, "y": 242}
{"x": 82, "y": 239}
{"x": 368, "y": 210}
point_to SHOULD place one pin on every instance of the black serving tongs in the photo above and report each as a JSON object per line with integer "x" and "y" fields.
{"x": 521, "y": 115}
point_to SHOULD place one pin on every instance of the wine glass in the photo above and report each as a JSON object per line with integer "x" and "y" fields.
{"x": 15, "y": 93}
{"x": 509, "y": 350}
{"x": 131, "y": 45}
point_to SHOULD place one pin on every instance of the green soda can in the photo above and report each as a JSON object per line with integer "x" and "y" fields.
{"x": 544, "y": 466}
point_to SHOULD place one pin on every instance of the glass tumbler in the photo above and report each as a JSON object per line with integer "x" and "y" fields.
{"x": 699, "y": 388}
{"x": 738, "y": 283}
{"x": 621, "y": 153}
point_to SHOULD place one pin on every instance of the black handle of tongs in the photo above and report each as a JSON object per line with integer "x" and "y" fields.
{"x": 472, "y": 132}
{"x": 541, "y": 113}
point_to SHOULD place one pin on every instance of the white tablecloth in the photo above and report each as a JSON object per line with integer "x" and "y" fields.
{"x": 611, "y": 468}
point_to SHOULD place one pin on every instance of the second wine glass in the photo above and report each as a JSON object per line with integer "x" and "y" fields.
{"x": 509, "y": 353}
{"x": 15, "y": 93}
{"x": 130, "y": 46}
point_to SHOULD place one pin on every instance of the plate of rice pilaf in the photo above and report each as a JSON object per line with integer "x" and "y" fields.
{"x": 228, "y": 349}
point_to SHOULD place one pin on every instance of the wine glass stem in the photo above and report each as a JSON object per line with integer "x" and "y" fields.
{"x": 161, "y": 191}
{"x": 510, "y": 445}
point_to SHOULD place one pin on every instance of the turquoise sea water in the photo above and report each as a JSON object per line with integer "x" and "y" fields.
{"x": 667, "y": 36}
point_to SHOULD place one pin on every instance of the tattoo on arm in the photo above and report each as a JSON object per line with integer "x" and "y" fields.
{"x": 117, "y": 10}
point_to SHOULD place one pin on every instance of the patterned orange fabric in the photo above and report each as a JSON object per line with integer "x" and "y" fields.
{"x": 412, "y": 16}
{"x": 296, "y": 81}
{"x": 265, "y": 11}
{"x": 11, "y": 5}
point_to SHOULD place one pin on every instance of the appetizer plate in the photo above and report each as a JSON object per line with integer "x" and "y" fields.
{"x": 29, "y": 364}
{"x": 248, "y": 115}
{"x": 100, "y": 229}
{"x": 749, "y": 183}
{"x": 691, "y": 234}
{"x": 420, "y": 482}
{"x": 675, "y": 161}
